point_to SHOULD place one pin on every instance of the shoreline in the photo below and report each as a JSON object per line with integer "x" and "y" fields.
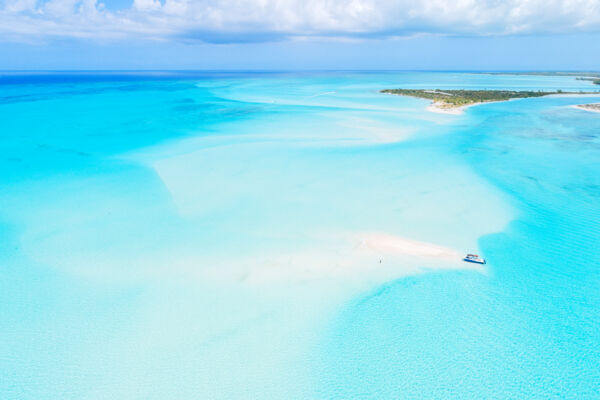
{"x": 355, "y": 258}
{"x": 439, "y": 108}
{"x": 439, "y": 104}
{"x": 594, "y": 107}
{"x": 442, "y": 108}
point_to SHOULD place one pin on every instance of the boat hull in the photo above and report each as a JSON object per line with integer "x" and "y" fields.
{"x": 474, "y": 261}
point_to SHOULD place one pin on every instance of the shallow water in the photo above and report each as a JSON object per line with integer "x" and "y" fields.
{"x": 198, "y": 236}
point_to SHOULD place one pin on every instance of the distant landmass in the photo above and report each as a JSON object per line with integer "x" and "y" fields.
{"x": 595, "y": 79}
{"x": 453, "y": 101}
{"x": 595, "y": 107}
{"x": 592, "y": 76}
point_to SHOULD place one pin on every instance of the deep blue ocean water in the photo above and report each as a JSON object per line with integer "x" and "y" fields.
{"x": 174, "y": 235}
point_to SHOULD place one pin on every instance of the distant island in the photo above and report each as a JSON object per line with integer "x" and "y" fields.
{"x": 592, "y": 76}
{"x": 454, "y": 101}
{"x": 595, "y": 79}
{"x": 595, "y": 107}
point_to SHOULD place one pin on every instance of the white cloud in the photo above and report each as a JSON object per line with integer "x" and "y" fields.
{"x": 253, "y": 20}
{"x": 146, "y": 5}
{"x": 17, "y": 6}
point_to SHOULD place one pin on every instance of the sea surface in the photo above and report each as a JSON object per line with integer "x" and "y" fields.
{"x": 222, "y": 235}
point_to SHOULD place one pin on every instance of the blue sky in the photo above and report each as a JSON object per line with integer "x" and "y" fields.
{"x": 300, "y": 34}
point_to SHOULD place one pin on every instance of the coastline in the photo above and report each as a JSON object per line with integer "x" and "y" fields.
{"x": 442, "y": 108}
{"x": 594, "y": 107}
{"x": 468, "y": 98}
{"x": 439, "y": 108}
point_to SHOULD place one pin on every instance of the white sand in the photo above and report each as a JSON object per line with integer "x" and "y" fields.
{"x": 436, "y": 107}
{"x": 588, "y": 94}
{"x": 315, "y": 243}
{"x": 346, "y": 259}
{"x": 586, "y": 107}
{"x": 395, "y": 245}
{"x": 439, "y": 108}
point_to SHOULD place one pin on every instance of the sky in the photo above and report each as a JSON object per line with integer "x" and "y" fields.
{"x": 300, "y": 34}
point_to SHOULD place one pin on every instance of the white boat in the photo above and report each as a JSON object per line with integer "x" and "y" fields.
{"x": 474, "y": 258}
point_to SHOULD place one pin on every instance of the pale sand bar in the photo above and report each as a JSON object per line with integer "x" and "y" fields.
{"x": 595, "y": 107}
{"x": 343, "y": 258}
{"x": 444, "y": 108}
{"x": 395, "y": 245}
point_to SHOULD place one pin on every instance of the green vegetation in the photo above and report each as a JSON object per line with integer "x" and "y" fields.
{"x": 593, "y": 76}
{"x": 458, "y": 98}
{"x": 542, "y": 73}
{"x": 547, "y": 73}
{"x": 591, "y": 107}
{"x": 595, "y": 79}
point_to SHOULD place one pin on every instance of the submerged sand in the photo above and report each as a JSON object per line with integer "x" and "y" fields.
{"x": 346, "y": 258}
{"x": 395, "y": 245}
{"x": 304, "y": 218}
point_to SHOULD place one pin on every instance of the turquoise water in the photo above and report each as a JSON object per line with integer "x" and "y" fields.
{"x": 181, "y": 235}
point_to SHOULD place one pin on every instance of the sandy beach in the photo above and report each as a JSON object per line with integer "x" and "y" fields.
{"x": 343, "y": 258}
{"x": 383, "y": 243}
{"x": 595, "y": 107}
{"x": 442, "y": 108}
{"x": 445, "y": 108}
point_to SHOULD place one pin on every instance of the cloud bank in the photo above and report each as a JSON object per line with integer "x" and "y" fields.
{"x": 242, "y": 21}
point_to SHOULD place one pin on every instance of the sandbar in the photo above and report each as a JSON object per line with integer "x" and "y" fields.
{"x": 594, "y": 107}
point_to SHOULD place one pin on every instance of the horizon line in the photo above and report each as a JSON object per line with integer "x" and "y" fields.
{"x": 134, "y": 70}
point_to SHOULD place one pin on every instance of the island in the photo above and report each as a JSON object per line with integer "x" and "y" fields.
{"x": 595, "y": 79}
{"x": 455, "y": 101}
{"x": 595, "y": 107}
{"x": 592, "y": 76}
